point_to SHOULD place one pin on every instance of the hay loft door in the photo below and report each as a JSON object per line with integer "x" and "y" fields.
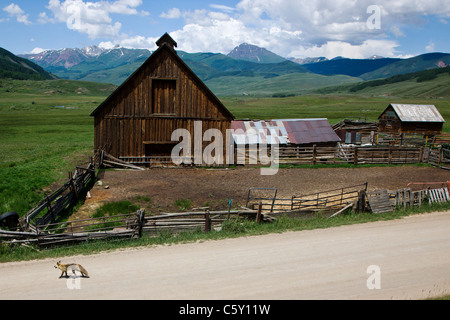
{"x": 164, "y": 96}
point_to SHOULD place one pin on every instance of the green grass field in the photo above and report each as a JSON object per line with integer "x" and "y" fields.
{"x": 40, "y": 141}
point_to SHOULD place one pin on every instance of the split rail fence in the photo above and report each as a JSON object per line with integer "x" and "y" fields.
{"x": 362, "y": 155}
{"x": 124, "y": 226}
{"x": 53, "y": 206}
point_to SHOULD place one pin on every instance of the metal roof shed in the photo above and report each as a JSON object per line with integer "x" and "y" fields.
{"x": 284, "y": 132}
{"x": 411, "y": 118}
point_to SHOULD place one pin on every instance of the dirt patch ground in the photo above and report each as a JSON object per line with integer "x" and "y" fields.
{"x": 158, "y": 189}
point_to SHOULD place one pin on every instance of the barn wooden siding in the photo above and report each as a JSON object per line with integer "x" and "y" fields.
{"x": 163, "y": 95}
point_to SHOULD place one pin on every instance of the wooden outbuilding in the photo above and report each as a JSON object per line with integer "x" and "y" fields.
{"x": 358, "y": 132}
{"x": 136, "y": 122}
{"x": 411, "y": 119}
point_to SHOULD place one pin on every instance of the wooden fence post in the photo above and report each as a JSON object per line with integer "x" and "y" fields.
{"x": 207, "y": 221}
{"x": 258, "y": 215}
{"x": 355, "y": 156}
{"x": 390, "y": 156}
{"x": 74, "y": 186}
{"x": 314, "y": 154}
{"x": 440, "y": 156}
{"x": 361, "y": 206}
{"x": 141, "y": 221}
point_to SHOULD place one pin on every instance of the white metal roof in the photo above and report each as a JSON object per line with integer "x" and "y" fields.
{"x": 417, "y": 113}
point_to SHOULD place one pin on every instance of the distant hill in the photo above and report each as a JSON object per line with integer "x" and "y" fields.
{"x": 256, "y": 54}
{"x": 433, "y": 83}
{"x": 350, "y": 67}
{"x": 404, "y": 66}
{"x": 14, "y": 67}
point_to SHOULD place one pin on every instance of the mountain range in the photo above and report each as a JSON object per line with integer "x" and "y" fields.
{"x": 247, "y": 69}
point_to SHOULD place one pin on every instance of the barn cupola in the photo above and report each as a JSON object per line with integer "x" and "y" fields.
{"x": 166, "y": 40}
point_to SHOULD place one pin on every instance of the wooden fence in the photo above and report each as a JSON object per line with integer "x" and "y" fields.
{"x": 333, "y": 199}
{"x": 54, "y": 205}
{"x": 135, "y": 225}
{"x": 382, "y": 201}
{"x": 297, "y": 155}
{"x": 124, "y": 226}
{"x": 355, "y": 155}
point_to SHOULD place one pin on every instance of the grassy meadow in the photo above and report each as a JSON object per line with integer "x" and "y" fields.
{"x": 45, "y": 130}
{"x": 45, "y": 127}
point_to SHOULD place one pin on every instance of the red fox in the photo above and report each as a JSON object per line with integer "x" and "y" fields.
{"x": 73, "y": 267}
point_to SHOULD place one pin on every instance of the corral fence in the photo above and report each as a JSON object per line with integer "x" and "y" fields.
{"x": 356, "y": 197}
{"x": 53, "y": 206}
{"x": 329, "y": 200}
{"x": 363, "y": 155}
{"x": 382, "y": 201}
{"x": 298, "y": 155}
{"x": 125, "y": 226}
{"x": 263, "y": 204}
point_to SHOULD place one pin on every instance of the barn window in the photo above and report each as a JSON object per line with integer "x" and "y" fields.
{"x": 164, "y": 96}
{"x": 390, "y": 115}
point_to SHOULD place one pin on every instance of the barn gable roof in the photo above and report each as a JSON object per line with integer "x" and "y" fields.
{"x": 416, "y": 113}
{"x": 166, "y": 43}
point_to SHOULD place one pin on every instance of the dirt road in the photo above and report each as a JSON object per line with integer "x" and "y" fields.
{"x": 401, "y": 259}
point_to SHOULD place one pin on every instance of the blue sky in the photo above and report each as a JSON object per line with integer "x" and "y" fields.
{"x": 290, "y": 28}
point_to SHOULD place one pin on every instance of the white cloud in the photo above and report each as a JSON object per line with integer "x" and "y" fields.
{"x": 173, "y": 13}
{"x": 304, "y": 27}
{"x": 332, "y": 49}
{"x": 91, "y": 18}
{"x": 136, "y": 42}
{"x": 397, "y": 32}
{"x": 298, "y": 28}
{"x": 37, "y": 50}
{"x": 15, "y": 11}
{"x": 430, "y": 47}
{"x": 222, "y": 7}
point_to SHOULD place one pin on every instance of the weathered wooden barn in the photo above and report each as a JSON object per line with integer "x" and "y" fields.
{"x": 411, "y": 119}
{"x": 135, "y": 123}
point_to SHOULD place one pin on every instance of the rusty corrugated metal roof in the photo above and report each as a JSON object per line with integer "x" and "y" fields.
{"x": 283, "y": 131}
{"x": 417, "y": 113}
